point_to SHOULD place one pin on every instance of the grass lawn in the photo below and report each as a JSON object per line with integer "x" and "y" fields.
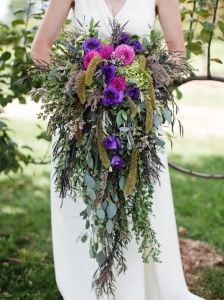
{"x": 25, "y": 239}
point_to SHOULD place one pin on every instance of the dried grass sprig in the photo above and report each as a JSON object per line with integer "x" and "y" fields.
{"x": 81, "y": 87}
{"x": 133, "y": 107}
{"x": 102, "y": 150}
{"x": 152, "y": 92}
{"x": 92, "y": 69}
{"x": 149, "y": 114}
{"x": 132, "y": 175}
{"x": 142, "y": 61}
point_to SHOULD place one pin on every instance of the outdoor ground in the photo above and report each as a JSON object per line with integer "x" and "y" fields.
{"x": 27, "y": 271}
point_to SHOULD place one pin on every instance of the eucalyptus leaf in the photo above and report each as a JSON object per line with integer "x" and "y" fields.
{"x": 100, "y": 214}
{"x": 100, "y": 258}
{"x": 111, "y": 210}
{"x": 90, "y": 162}
{"x": 84, "y": 238}
{"x": 87, "y": 224}
{"x": 160, "y": 143}
{"x": 88, "y": 210}
{"x": 91, "y": 193}
{"x": 91, "y": 254}
{"x": 122, "y": 183}
{"x": 115, "y": 197}
{"x": 157, "y": 120}
{"x": 109, "y": 226}
{"x": 104, "y": 204}
{"x": 167, "y": 115}
{"x": 90, "y": 182}
{"x": 124, "y": 129}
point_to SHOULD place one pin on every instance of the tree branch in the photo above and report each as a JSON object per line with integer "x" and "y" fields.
{"x": 196, "y": 174}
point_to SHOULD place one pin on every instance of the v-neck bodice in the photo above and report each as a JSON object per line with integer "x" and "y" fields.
{"x": 140, "y": 15}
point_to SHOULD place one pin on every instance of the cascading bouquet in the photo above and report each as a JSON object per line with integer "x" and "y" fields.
{"x": 106, "y": 100}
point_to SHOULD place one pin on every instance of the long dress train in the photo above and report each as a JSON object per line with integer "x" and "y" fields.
{"x": 73, "y": 266}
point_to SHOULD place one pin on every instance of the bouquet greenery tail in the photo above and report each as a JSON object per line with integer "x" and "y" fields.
{"x": 106, "y": 101}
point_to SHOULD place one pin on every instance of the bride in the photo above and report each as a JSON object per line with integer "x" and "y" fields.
{"x": 73, "y": 266}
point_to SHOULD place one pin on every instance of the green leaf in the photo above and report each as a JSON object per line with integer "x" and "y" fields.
{"x": 90, "y": 182}
{"x": 88, "y": 210}
{"x": 124, "y": 129}
{"x": 167, "y": 115}
{"x": 145, "y": 41}
{"x": 208, "y": 26}
{"x": 91, "y": 254}
{"x": 204, "y": 13}
{"x": 17, "y": 22}
{"x": 91, "y": 193}
{"x": 109, "y": 226}
{"x": 84, "y": 238}
{"x": 195, "y": 47}
{"x": 111, "y": 210}
{"x": 119, "y": 119}
{"x": 221, "y": 26}
{"x": 115, "y": 197}
{"x": 157, "y": 120}
{"x": 160, "y": 143}
{"x": 122, "y": 183}
{"x": 100, "y": 214}
{"x": 216, "y": 60}
{"x": 19, "y": 11}
{"x": 90, "y": 162}
{"x": 179, "y": 94}
{"x": 5, "y": 56}
{"x": 100, "y": 258}
{"x": 204, "y": 35}
{"x": 3, "y": 163}
{"x": 87, "y": 224}
{"x": 104, "y": 204}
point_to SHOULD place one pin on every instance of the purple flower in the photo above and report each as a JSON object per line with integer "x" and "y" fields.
{"x": 117, "y": 162}
{"x": 109, "y": 73}
{"x": 133, "y": 92}
{"x": 111, "y": 143}
{"x": 124, "y": 38}
{"x": 112, "y": 96}
{"x": 92, "y": 44}
{"x": 136, "y": 45}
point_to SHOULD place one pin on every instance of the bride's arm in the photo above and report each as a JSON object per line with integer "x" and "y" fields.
{"x": 47, "y": 33}
{"x": 169, "y": 17}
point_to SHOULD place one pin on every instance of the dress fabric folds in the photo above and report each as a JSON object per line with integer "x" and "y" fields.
{"x": 73, "y": 267}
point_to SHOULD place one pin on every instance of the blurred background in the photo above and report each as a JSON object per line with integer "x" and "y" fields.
{"x": 25, "y": 237}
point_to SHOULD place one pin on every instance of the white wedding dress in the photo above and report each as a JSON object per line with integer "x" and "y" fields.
{"x": 73, "y": 266}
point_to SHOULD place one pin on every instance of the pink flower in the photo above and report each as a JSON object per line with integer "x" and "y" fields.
{"x": 126, "y": 52}
{"x": 88, "y": 57}
{"x": 119, "y": 83}
{"x": 106, "y": 51}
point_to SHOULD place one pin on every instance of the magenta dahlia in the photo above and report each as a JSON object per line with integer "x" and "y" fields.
{"x": 126, "y": 52}
{"x": 88, "y": 57}
{"x": 106, "y": 51}
{"x": 119, "y": 83}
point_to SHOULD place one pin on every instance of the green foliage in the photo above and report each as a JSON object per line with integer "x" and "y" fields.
{"x": 204, "y": 19}
{"x": 10, "y": 155}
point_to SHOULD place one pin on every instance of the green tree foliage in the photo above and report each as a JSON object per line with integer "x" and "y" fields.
{"x": 203, "y": 21}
